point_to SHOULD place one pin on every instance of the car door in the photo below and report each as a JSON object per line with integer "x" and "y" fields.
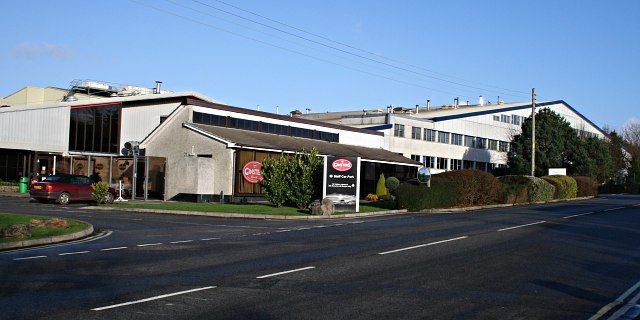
{"x": 85, "y": 188}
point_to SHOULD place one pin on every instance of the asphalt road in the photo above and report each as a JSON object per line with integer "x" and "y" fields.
{"x": 555, "y": 261}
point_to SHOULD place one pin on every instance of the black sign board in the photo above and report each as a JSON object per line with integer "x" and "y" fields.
{"x": 341, "y": 182}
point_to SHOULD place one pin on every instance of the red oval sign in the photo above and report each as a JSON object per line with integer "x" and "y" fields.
{"x": 251, "y": 171}
{"x": 342, "y": 165}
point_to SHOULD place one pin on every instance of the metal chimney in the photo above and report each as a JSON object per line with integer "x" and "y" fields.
{"x": 481, "y": 101}
{"x": 158, "y": 87}
{"x": 277, "y": 109}
{"x": 307, "y": 110}
{"x": 258, "y": 107}
{"x": 456, "y": 101}
{"x": 428, "y": 105}
{"x": 389, "y": 108}
{"x": 417, "y": 107}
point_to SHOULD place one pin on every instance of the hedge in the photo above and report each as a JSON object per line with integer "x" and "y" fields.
{"x": 475, "y": 187}
{"x": 416, "y": 197}
{"x": 525, "y": 189}
{"x": 566, "y": 187}
{"x": 587, "y": 186}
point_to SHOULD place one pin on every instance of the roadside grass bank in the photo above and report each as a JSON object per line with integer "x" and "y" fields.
{"x": 7, "y": 219}
{"x": 262, "y": 209}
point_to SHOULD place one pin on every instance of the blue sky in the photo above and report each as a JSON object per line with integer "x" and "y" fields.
{"x": 584, "y": 52}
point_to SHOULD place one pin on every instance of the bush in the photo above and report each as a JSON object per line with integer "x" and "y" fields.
{"x": 302, "y": 176}
{"x": 372, "y": 197}
{"x": 100, "y": 191}
{"x": 525, "y": 189}
{"x": 566, "y": 187}
{"x": 587, "y": 186}
{"x": 274, "y": 183}
{"x": 416, "y": 197}
{"x": 611, "y": 187}
{"x": 381, "y": 189}
{"x": 475, "y": 187}
{"x": 392, "y": 184}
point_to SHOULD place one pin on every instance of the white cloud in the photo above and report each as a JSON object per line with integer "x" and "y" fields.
{"x": 33, "y": 51}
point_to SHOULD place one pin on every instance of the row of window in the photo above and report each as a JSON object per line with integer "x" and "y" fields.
{"x": 454, "y": 164}
{"x": 431, "y": 135}
{"x": 95, "y": 128}
{"x": 251, "y": 125}
{"x": 512, "y": 119}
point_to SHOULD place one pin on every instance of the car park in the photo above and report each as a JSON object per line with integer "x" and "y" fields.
{"x": 65, "y": 188}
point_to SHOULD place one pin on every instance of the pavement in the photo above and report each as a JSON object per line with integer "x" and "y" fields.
{"x": 553, "y": 261}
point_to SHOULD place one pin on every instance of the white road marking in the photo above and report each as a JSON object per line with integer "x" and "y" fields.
{"x": 97, "y": 237}
{"x": 209, "y": 239}
{"x": 422, "y": 245}
{"x": 70, "y": 253}
{"x": 578, "y": 215}
{"x": 305, "y": 228}
{"x": 283, "y": 272}
{"x": 618, "y": 208}
{"x": 114, "y": 248}
{"x": 151, "y": 299}
{"x": 149, "y": 244}
{"x": 632, "y": 302}
{"x": 286, "y": 230}
{"x": 27, "y": 258}
{"x": 183, "y": 241}
{"x": 522, "y": 225}
{"x": 615, "y": 302}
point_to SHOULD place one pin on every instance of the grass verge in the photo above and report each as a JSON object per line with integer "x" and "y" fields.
{"x": 233, "y": 208}
{"x": 10, "y": 218}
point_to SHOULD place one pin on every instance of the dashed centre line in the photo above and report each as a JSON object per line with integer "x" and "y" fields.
{"x": 209, "y": 239}
{"x": 72, "y": 253}
{"x": 422, "y": 245}
{"x": 114, "y": 248}
{"x": 182, "y": 241}
{"x": 149, "y": 244}
{"x": 578, "y": 215}
{"x": 618, "y": 208}
{"x": 284, "y": 272}
{"x": 29, "y": 258}
{"x": 522, "y": 225}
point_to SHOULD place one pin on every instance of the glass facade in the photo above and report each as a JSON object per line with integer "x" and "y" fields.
{"x": 95, "y": 128}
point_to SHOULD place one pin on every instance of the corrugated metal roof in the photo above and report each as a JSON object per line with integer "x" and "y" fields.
{"x": 253, "y": 139}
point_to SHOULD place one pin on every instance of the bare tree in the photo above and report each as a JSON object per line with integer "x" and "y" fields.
{"x": 631, "y": 132}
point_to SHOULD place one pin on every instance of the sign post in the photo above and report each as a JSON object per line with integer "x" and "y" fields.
{"x": 342, "y": 182}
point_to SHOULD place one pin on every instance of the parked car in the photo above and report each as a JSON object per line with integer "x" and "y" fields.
{"x": 65, "y": 188}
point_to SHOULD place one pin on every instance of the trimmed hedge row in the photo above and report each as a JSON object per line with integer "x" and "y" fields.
{"x": 525, "y": 189}
{"x": 416, "y": 196}
{"x": 587, "y": 186}
{"x": 566, "y": 187}
{"x": 473, "y": 187}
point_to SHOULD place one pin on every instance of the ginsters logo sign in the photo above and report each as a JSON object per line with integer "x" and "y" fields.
{"x": 251, "y": 171}
{"x": 342, "y": 165}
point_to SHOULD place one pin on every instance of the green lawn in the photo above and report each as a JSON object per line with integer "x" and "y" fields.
{"x": 232, "y": 208}
{"x": 9, "y": 218}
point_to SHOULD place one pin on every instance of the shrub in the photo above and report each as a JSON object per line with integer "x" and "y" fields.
{"x": 416, "y": 197}
{"x": 611, "y": 187}
{"x": 524, "y": 189}
{"x": 587, "y": 186}
{"x": 381, "y": 189}
{"x": 274, "y": 183}
{"x": 566, "y": 187}
{"x": 475, "y": 187}
{"x": 301, "y": 176}
{"x": 392, "y": 184}
{"x": 372, "y": 197}
{"x": 100, "y": 191}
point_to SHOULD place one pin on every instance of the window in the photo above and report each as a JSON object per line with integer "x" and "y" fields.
{"x": 95, "y": 128}
{"x": 493, "y": 144}
{"x": 429, "y": 162}
{"x": 505, "y": 118}
{"x": 481, "y": 166}
{"x": 470, "y": 141}
{"x": 504, "y": 146}
{"x": 515, "y": 119}
{"x": 443, "y": 163}
{"x": 456, "y": 164}
{"x": 416, "y": 133}
{"x": 496, "y": 118}
{"x": 415, "y": 157}
{"x": 467, "y": 164}
{"x": 481, "y": 143}
{"x": 456, "y": 139}
{"x": 398, "y": 130}
{"x": 429, "y": 135}
{"x": 443, "y": 137}
{"x": 242, "y": 124}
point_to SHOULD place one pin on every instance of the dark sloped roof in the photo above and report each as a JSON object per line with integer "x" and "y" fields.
{"x": 244, "y": 138}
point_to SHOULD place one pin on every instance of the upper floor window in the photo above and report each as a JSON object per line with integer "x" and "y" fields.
{"x": 95, "y": 128}
{"x": 429, "y": 135}
{"x": 493, "y": 144}
{"x": 505, "y": 118}
{"x": 456, "y": 139}
{"x": 481, "y": 143}
{"x": 443, "y": 137}
{"x": 398, "y": 130}
{"x": 515, "y": 119}
{"x": 429, "y": 162}
{"x": 416, "y": 133}
{"x": 470, "y": 141}
{"x": 504, "y": 146}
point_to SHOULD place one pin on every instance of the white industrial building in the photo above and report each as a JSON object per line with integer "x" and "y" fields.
{"x": 173, "y": 145}
{"x": 454, "y": 137}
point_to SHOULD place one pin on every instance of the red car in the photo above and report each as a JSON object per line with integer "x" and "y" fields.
{"x": 65, "y": 188}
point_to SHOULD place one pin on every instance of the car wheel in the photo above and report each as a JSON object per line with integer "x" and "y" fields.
{"x": 108, "y": 198}
{"x": 64, "y": 198}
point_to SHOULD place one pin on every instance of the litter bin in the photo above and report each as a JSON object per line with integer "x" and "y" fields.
{"x": 24, "y": 185}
